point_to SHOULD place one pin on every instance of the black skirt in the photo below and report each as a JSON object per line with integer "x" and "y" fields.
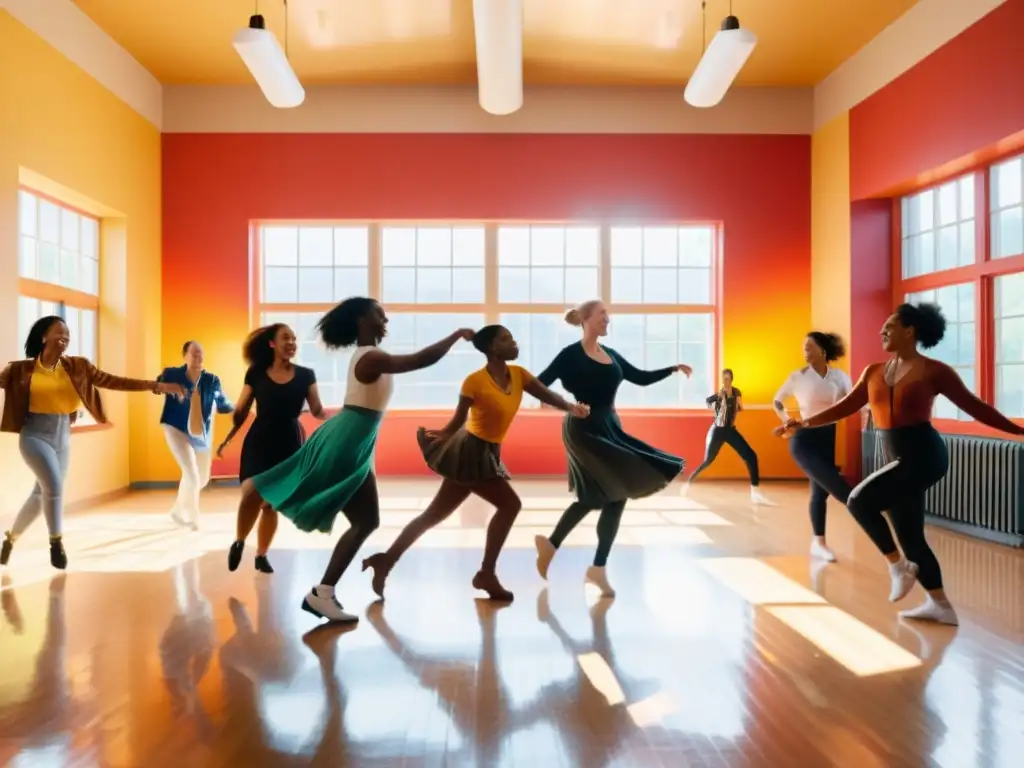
{"x": 269, "y": 443}
{"x": 606, "y": 464}
{"x": 463, "y": 458}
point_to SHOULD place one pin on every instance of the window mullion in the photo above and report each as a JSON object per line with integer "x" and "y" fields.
{"x": 492, "y": 311}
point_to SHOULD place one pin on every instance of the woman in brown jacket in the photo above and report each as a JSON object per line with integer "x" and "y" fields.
{"x": 43, "y": 394}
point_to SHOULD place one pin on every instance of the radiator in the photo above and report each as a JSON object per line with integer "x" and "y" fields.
{"x": 982, "y": 494}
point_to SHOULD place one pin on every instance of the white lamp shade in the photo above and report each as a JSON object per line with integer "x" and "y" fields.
{"x": 270, "y": 67}
{"x": 719, "y": 66}
{"x": 499, "y": 54}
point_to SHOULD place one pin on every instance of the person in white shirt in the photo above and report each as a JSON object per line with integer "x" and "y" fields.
{"x": 815, "y": 387}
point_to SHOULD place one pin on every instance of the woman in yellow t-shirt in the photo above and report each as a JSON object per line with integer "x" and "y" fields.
{"x": 467, "y": 454}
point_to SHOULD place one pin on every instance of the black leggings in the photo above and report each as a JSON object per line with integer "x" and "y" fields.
{"x": 814, "y": 451}
{"x": 918, "y": 461}
{"x": 719, "y": 436}
{"x": 607, "y": 527}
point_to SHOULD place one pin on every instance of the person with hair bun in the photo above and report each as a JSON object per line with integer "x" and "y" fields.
{"x": 333, "y": 471}
{"x": 43, "y": 395}
{"x": 607, "y": 466}
{"x": 188, "y": 427}
{"x": 901, "y": 394}
{"x": 280, "y": 389}
{"x": 467, "y": 455}
{"x": 815, "y": 387}
{"x": 728, "y": 402}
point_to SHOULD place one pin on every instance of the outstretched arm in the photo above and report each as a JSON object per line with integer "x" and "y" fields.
{"x": 848, "y": 406}
{"x": 554, "y": 371}
{"x": 534, "y": 387}
{"x": 636, "y": 376}
{"x": 377, "y": 361}
{"x": 241, "y": 413}
{"x": 948, "y": 383}
{"x": 105, "y": 380}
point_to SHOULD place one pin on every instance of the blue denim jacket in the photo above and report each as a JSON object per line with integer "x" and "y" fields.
{"x": 176, "y": 411}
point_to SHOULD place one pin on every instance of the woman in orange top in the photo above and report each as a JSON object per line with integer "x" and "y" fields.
{"x": 467, "y": 454}
{"x": 901, "y": 393}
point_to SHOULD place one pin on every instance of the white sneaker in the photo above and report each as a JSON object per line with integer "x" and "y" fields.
{"x": 930, "y": 610}
{"x": 903, "y": 575}
{"x": 322, "y": 603}
{"x": 596, "y": 575}
{"x": 759, "y": 498}
{"x": 822, "y": 552}
{"x": 545, "y": 553}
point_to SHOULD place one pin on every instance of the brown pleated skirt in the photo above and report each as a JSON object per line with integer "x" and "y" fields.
{"x": 463, "y": 458}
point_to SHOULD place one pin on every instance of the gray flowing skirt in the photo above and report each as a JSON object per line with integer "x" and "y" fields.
{"x": 463, "y": 458}
{"x": 606, "y": 464}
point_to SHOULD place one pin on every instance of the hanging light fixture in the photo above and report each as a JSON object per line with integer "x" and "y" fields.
{"x": 721, "y": 62}
{"x": 268, "y": 62}
{"x": 498, "y": 25}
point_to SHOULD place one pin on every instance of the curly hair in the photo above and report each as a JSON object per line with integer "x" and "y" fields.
{"x": 339, "y": 328}
{"x": 832, "y": 344}
{"x": 483, "y": 338}
{"x": 256, "y": 351}
{"x": 927, "y": 320}
{"x": 34, "y": 341}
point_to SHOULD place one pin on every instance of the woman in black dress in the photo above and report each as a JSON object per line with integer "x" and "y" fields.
{"x": 280, "y": 390}
{"x": 607, "y": 467}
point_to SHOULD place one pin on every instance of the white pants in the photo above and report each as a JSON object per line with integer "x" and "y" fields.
{"x": 195, "y": 472}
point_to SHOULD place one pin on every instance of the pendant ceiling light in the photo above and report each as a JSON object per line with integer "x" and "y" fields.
{"x": 721, "y": 63}
{"x": 268, "y": 62}
{"x": 498, "y": 25}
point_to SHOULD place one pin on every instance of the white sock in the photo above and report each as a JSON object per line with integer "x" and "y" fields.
{"x": 324, "y": 590}
{"x": 898, "y": 567}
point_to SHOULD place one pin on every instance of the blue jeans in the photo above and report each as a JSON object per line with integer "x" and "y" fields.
{"x": 45, "y": 444}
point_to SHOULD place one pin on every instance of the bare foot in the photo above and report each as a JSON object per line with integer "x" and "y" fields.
{"x": 381, "y": 565}
{"x": 487, "y": 581}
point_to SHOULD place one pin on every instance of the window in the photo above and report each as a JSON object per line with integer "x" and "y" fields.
{"x": 976, "y": 275}
{"x": 434, "y": 278}
{"x": 957, "y": 347}
{"x": 1009, "y": 346}
{"x": 58, "y": 266}
{"x": 1007, "y": 200}
{"x": 938, "y": 228}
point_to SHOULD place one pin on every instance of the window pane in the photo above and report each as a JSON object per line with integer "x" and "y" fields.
{"x": 547, "y": 285}
{"x": 1009, "y": 344}
{"x": 90, "y": 336}
{"x": 27, "y": 257}
{"x": 90, "y": 278}
{"x": 74, "y": 330}
{"x": 281, "y": 285}
{"x": 581, "y": 284}
{"x": 280, "y": 246}
{"x": 1008, "y": 232}
{"x": 1010, "y": 389}
{"x": 433, "y": 285}
{"x": 316, "y": 247}
{"x": 350, "y": 281}
{"x": 433, "y": 246}
{"x": 90, "y": 237}
{"x": 28, "y": 213}
{"x": 69, "y": 269}
{"x": 514, "y": 246}
{"x": 514, "y": 284}
{"x": 28, "y": 313}
{"x": 399, "y": 284}
{"x": 967, "y": 244}
{"x": 696, "y": 246}
{"x": 660, "y": 246}
{"x": 69, "y": 230}
{"x": 659, "y": 286}
{"x": 468, "y": 245}
{"x": 49, "y": 264}
{"x": 547, "y": 246}
{"x": 351, "y": 246}
{"x": 468, "y": 285}
{"x": 315, "y": 283}
{"x": 582, "y": 246}
{"x": 627, "y": 246}
{"x": 938, "y": 228}
{"x": 694, "y": 286}
{"x": 957, "y": 346}
{"x": 49, "y": 222}
{"x": 627, "y": 285}
{"x": 1007, "y": 186}
{"x": 398, "y": 246}
{"x": 947, "y": 204}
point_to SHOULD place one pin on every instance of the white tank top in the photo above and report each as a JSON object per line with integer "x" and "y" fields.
{"x": 373, "y": 396}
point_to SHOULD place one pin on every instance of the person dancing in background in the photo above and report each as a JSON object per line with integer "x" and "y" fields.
{"x": 188, "y": 427}
{"x": 333, "y": 471}
{"x": 280, "y": 390}
{"x": 815, "y": 387}
{"x": 607, "y": 467}
{"x": 901, "y": 393}
{"x": 728, "y": 402}
{"x": 43, "y": 394}
{"x": 468, "y": 456}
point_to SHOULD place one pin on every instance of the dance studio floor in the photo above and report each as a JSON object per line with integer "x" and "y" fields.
{"x": 724, "y": 647}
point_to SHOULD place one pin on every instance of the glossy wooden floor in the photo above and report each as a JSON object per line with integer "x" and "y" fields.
{"x": 724, "y": 647}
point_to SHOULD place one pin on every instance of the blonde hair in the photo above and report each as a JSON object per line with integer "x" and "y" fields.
{"x": 581, "y": 312}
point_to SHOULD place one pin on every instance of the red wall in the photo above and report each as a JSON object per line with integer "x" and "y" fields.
{"x": 758, "y": 186}
{"x": 957, "y": 105}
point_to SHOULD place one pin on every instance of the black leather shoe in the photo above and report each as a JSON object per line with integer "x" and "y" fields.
{"x": 235, "y": 555}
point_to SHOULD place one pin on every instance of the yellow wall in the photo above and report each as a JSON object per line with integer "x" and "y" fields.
{"x": 830, "y": 236}
{"x": 62, "y": 129}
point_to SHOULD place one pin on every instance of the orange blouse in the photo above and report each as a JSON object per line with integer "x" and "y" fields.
{"x": 910, "y": 400}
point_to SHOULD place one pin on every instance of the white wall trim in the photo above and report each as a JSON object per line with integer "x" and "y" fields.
{"x": 432, "y": 109}
{"x": 915, "y": 35}
{"x": 66, "y": 28}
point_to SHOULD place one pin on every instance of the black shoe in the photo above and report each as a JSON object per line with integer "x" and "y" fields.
{"x": 235, "y": 555}
{"x": 263, "y": 565}
{"x": 58, "y": 557}
{"x": 5, "y": 551}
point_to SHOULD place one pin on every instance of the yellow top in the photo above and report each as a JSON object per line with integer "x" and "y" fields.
{"x": 51, "y": 391}
{"x": 493, "y": 409}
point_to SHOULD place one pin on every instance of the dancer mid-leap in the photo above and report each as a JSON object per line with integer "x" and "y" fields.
{"x": 467, "y": 454}
{"x": 607, "y": 467}
{"x": 901, "y": 393}
{"x": 333, "y": 471}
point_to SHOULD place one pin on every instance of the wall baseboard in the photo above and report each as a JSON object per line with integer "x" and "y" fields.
{"x": 94, "y": 501}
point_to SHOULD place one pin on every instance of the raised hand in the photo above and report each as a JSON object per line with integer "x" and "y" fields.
{"x": 684, "y": 369}
{"x": 580, "y": 410}
{"x": 466, "y": 333}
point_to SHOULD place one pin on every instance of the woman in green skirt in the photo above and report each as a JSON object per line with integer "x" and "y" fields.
{"x": 607, "y": 466}
{"x": 333, "y": 471}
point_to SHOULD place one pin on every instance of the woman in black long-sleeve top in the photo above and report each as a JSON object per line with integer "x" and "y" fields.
{"x": 607, "y": 467}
